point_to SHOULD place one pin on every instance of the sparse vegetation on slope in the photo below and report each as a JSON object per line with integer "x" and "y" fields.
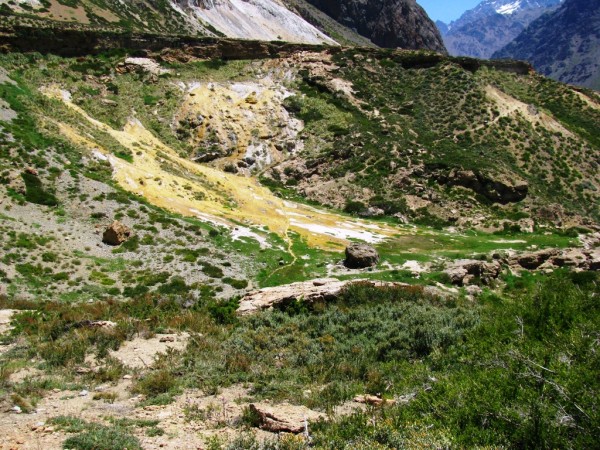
{"x": 128, "y": 263}
{"x": 406, "y": 140}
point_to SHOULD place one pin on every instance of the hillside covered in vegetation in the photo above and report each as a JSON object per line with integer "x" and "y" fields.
{"x": 152, "y": 186}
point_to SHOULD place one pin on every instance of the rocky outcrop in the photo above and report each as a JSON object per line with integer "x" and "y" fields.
{"x": 533, "y": 260}
{"x": 309, "y": 291}
{"x": 324, "y": 289}
{"x": 116, "y": 234}
{"x": 387, "y": 23}
{"x": 466, "y": 271}
{"x": 550, "y": 259}
{"x": 141, "y": 65}
{"x": 284, "y": 418}
{"x": 498, "y": 188}
{"x": 360, "y": 256}
{"x": 71, "y": 42}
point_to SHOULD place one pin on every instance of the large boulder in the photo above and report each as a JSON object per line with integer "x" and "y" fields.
{"x": 360, "y": 256}
{"x": 116, "y": 233}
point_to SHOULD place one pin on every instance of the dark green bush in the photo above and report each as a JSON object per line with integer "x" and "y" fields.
{"x": 35, "y": 192}
{"x": 223, "y": 312}
{"x": 238, "y": 284}
{"x": 354, "y": 207}
{"x": 176, "y": 286}
{"x": 155, "y": 383}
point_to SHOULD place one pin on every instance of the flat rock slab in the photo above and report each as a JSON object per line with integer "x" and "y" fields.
{"x": 144, "y": 64}
{"x": 373, "y": 400}
{"x": 325, "y": 289}
{"x": 284, "y": 417}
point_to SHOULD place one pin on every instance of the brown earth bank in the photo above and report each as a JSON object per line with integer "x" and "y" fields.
{"x": 75, "y": 42}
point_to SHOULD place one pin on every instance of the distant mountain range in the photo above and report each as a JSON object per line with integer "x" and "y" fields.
{"x": 564, "y": 45}
{"x": 491, "y": 25}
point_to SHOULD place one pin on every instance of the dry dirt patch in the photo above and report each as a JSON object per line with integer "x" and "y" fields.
{"x": 140, "y": 353}
{"x": 188, "y": 422}
{"x": 5, "y": 318}
{"x": 510, "y": 106}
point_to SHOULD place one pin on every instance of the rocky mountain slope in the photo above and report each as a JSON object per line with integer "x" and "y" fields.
{"x": 406, "y": 135}
{"x": 398, "y": 142}
{"x": 315, "y": 16}
{"x": 491, "y": 25}
{"x": 387, "y": 23}
{"x": 266, "y": 20}
{"x": 564, "y": 45}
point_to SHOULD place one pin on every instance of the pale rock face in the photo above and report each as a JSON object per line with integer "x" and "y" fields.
{"x": 265, "y": 20}
{"x": 31, "y": 3}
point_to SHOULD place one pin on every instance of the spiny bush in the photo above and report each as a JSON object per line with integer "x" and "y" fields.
{"x": 524, "y": 377}
{"x": 361, "y": 339}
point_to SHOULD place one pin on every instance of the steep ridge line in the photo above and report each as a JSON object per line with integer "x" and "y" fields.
{"x": 72, "y": 42}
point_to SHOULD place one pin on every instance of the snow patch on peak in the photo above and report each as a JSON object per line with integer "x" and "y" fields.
{"x": 509, "y": 8}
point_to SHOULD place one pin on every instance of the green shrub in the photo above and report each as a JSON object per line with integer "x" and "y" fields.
{"x": 49, "y": 257}
{"x": 211, "y": 270}
{"x": 135, "y": 291}
{"x": 68, "y": 423}
{"x": 35, "y": 192}
{"x": 237, "y": 284}
{"x": 64, "y": 351}
{"x": 176, "y": 286}
{"x": 99, "y": 437}
{"x": 354, "y": 207}
{"x": 223, "y": 312}
{"x": 155, "y": 383}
